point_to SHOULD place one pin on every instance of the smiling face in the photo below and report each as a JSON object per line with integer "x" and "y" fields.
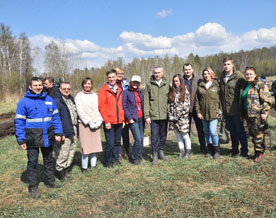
{"x": 65, "y": 89}
{"x": 111, "y": 78}
{"x": 36, "y": 86}
{"x": 87, "y": 86}
{"x": 228, "y": 67}
{"x": 176, "y": 82}
{"x": 207, "y": 76}
{"x": 250, "y": 75}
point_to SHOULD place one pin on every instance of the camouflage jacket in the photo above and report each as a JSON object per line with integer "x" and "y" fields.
{"x": 179, "y": 114}
{"x": 259, "y": 100}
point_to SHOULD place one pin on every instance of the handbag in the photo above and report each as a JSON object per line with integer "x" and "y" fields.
{"x": 223, "y": 134}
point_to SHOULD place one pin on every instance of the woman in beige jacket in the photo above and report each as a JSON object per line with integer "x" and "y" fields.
{"x": 90, "y": 121}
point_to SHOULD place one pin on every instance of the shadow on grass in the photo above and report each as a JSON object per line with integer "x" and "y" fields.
{"x": 40, "y": 174}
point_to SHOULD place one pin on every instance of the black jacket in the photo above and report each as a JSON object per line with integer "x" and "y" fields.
{"x": 67, "y": 125}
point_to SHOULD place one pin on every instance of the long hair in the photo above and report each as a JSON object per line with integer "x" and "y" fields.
{"x": 212, "y": 74}
{"x": 182, "y": 90}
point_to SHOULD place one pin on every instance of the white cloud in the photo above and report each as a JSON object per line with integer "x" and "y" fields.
{"x": 210, "y": 38}
{"x": 163, "y": 13}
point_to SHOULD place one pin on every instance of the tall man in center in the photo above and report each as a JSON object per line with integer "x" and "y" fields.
{"x": 156, "y": 112}
{"x": 192, "y": 82}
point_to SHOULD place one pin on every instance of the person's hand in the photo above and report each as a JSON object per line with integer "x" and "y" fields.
{"x": 148, "y": 121}
{"x": 131, "y": 121}
{"x": 263, "y": 116}
{"x": 58, "y": 138}
{"x": 199, "y": 115}
{"x": 108, "y": 126}
{"x": 218, "y": 116}
{"x": 23, "y": 146}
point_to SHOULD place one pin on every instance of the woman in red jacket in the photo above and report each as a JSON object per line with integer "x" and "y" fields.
{"x": 111, "y": 109}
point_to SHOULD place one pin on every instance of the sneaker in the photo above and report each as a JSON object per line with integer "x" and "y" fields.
{"x": 84, "y": 170}
{"x": 33, "y": 190}
{"x": 259, "y": 157}
{"x": 233, "y": 154}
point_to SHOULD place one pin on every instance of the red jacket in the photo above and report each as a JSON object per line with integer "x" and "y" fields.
{"x": 110, "y": 105}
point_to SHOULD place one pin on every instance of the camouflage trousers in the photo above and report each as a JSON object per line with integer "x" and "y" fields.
{"x": 257, "y": 134}
{"x": 65, "y": 152}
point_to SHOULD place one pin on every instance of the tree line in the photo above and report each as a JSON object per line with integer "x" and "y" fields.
{"x": 16, "y": 64}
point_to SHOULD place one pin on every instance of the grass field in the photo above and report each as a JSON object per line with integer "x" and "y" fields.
{"x": 227, "y": 187}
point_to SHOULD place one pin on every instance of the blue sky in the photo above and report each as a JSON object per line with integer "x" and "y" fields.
{"x": 95, "y": 31}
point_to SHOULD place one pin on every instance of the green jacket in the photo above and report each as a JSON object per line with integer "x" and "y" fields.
{"x": 156, "y": 99}
{"x": 230, "y": 93}
{"x": 207, "y": 100}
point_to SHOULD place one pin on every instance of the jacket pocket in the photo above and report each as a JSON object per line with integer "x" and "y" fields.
{"x": 34, "y": 137}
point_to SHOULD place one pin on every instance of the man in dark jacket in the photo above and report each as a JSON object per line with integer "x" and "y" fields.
{"x": 68, "y": 114}
{"x": 231, "y": 82}
{"x": 273, "y": 88}
{"x": 192, "y": 82}
{"x": 38, "y": 126}
{"x": 51, "y": 89}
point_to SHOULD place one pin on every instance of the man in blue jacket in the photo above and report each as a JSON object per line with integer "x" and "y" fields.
{"x": 37, "y": 125}
{"x": 68, "y": 114}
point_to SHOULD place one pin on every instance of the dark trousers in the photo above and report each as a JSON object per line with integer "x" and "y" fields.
{"x": 275, "y": 100}
{"x": 199, "y": 128}
{"x": 47, "y": 154}
{"x": 137, "y": 130}
{"x": 158, "y": 134}
{"x": 125, "y": 135}
{"x": 237, "y": 133}
{"x": 113, "y": 143}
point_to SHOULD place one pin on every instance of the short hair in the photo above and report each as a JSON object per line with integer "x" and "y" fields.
{"x": 35, "y": 79}
{"x": 251, "y": 68}
{"x": 212, "y": 74}
{"x": 65, "y": 82}
{"x": 228, "y": 59}
{"x": 85, "y": 81}
{"x": 187, "y": 64}
{"x": 158, "y": 67}
{"x": 119, "y": 70}
{"x": 111, "y": 71}
{"x": 50, "y": 79}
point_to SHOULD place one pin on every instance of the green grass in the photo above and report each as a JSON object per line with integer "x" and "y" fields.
{"x": 228, "y": 187}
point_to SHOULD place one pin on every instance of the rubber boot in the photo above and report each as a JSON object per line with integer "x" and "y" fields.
{"x": 187, "y": 154}
{"x": 155, "y": 158}
{"x": 217, "y": 152}
{"x": 162, "y": 155}
{"x": 209, "y": 151}
{"x": 182, "y": 153}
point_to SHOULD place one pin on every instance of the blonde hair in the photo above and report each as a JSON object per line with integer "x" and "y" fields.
{"x": 212, "y": 74}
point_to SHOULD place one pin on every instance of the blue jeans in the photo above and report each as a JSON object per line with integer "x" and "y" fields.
{"x": 113, "y": 143}
{"x": 237, "y": 133}
{"x": 47, "y": 154}
{"x": 158, "y": 134}
{"x": 210, "y": 131}
{"x": 137, "y": 130}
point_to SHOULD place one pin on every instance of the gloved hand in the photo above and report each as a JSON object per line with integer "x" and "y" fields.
{"x": 98, "y": 124}
{"x": 92, "y": 125}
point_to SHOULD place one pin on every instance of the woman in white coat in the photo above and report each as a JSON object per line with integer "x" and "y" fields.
{"x": 90, "y": 121}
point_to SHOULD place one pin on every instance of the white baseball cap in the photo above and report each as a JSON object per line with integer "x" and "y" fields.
{"x": 136, "y": 78}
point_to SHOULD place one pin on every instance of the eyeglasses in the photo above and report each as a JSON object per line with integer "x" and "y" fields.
{"x": 66, "y": 89}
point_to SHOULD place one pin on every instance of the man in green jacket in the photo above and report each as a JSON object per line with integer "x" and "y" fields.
{"x": 231, "y": 82}
{"x": 156, "y": 111}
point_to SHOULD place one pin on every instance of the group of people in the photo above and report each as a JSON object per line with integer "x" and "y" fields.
{"x": 54, "y": 118}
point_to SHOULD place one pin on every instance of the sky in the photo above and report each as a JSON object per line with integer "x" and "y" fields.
{"x": 94, "y": 31}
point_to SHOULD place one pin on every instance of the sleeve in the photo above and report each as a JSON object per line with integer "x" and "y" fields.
{"x": 56, "y": 120}
{"x": 187, "y": 103}
{"x": 196, "y": 104}
{"x": 125, "y": 106}
{"x": 20, "y": 123}
{"x": 103, "y": 106}
{"x": 146, "y": 102}
{"x": 80, "y": 110}
{"x": 266, "y": 99}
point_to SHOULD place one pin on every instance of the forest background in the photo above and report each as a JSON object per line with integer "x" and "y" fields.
{"x": 17, "y": 67}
